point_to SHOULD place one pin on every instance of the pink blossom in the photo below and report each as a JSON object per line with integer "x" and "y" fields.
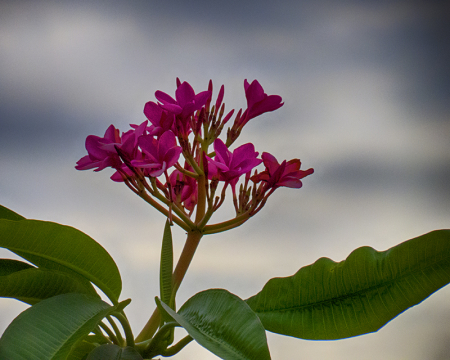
{"x": 101, "y": 151}
{"x": 229, "y": 166}
{"x": 258, "y": 102}
{"x": 286, "y": 174}
{"x": 186, "y": 103}
{"x": 184, "y": 188}
{"x": 161, "y": 119}
{"x": 159, "y": 154}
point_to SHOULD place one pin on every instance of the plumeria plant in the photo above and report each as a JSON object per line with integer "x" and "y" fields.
{"x": 181, "y": 161}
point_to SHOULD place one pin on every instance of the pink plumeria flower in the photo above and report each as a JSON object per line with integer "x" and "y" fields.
{"x": 101, "y": 151}
{"x": 159, "y": 154}
{"x": 162, "y": 120}
{"x": 229, "y": 166}
{"x": 184, "y": 188}
{"x": 186, "y": 103}
{"x": 286, "y": 174}
{"x": 258, "y": 102}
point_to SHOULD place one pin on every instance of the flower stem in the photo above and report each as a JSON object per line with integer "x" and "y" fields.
{"x": 226, "y": 225}
{"x": 150, "y": 328}
{"x": 126, "y": 328}
{"x": 177, "y": 347}
{"x": 192, "y": 241}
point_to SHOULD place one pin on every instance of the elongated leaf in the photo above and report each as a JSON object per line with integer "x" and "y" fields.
{"x": 7, "y": 214}
{"x": 224, "y": 324}
{"x": 114, "y": 352}
{"x": 59, "y": 247}
{"x": 28, "y": 284}
{"x": 49, "y": 329}
{"x": 166, "y": 266}
{"x": 9, "y": 266}
{"x": 329, "y": 300}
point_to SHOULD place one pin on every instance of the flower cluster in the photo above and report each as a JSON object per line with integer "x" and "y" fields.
{"x": 147, "y": 157}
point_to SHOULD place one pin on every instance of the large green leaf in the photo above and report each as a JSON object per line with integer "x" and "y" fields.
{"x": 224, "y": 324}
{"x": 50, "y": 329}
{"x": 59, "y": 247}
{"x": 7, "y": 214}
{"x": 28, "y": 284}
{"x": 329, "y": 300}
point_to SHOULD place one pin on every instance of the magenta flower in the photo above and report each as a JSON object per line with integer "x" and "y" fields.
{"x": 186, "y": 103}
{"x": 229, "y": 166}
{"x": 161, "y": 119}
{"x": 101, "y": 151}
{"x": 184, "y": 188}
{"x": 286, "y": 174}
{"x": 159, "y": 155}
{"x": 258, "y": 102}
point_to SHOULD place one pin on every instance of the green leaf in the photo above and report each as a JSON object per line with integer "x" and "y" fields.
{"x": 51, "y": 328}
{"x": 7, "y": 214}
{"x": 224, "y": 324}
{"x": 28, "y": 284}
{"x": 81, "y": 350}
{"x": 9, "y": 266}
{"x": 83, "y": 347}
{"x": 329, "y": 300}
{"x": 166, "y": 266}
{"x": 63, "y": 248}
{"x": 114, "y": 352}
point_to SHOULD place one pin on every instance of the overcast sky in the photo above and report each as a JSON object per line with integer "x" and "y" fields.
{"x": 366, "y": 86}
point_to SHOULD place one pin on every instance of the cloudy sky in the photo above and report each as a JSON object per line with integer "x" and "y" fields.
{"x": 366, "y": 86}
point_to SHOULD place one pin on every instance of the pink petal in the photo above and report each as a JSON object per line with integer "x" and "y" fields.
{"x": 166, "y": 142}
{"x": 145, "y": 164}
{"x": 172, "y": 156}
{"x": 164, "y": 98}
{"x": 153, "y": 112}
{"x": 93, "y": 147}
{"x": 222, "y": 152}
{"x": 184, "y": 94}
{"x": 254, "y": 93}
{"x": 270, "y": 162}
{"x": 243, "y": 152}
{"x": 172, "y": 108}
{"x": 246, "y": 85}
{"x": 212, "y": 169}
{"x": 112, "y": 134}
{"x": 292, "y": 165}
{"x": 290, "y": 183}
{"x": 156, "y": 173}
{"x": 201, "y": 99}
{"x": 149, "y": 146}
{"x": 217, "y": 164}
{"x": 85, "y": 163}
{"x": 270, "y": 103}
{"x": 167, "y": 120}
{"x": 248, "y": 165}
{"x": 300, "y": 174}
